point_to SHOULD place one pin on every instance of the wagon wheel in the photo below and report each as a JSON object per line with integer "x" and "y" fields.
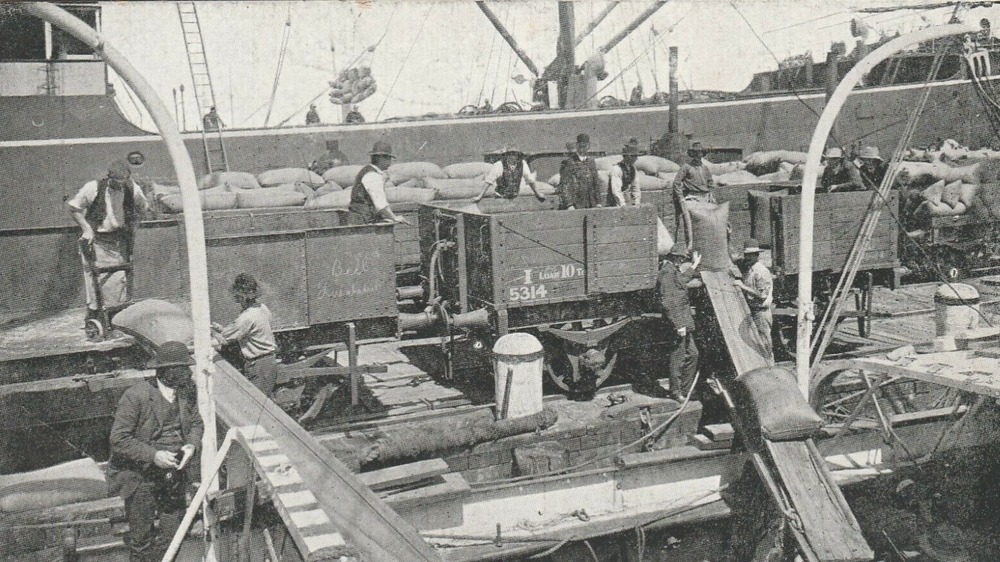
{"x": 565, "y": 367}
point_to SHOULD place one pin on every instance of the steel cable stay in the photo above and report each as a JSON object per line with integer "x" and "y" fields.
{"x": 828, "y": 323}
{"x": 281, "y": 63}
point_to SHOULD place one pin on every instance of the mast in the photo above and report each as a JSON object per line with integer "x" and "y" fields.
{"x": 566, "y": 50}
{"x": 632, "y": 26}
{"x": 593, "y": 25}
{"x": 498, "y": 25}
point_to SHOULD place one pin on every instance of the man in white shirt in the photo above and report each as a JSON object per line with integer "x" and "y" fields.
{"x": 108, "y": 212}
{"x": 508, "y": 175}
{"x": 623, "y": 189}
{"x": 758, "y": 290}
{"x": 252, "y": 331}
{"x": 368, "y": 201}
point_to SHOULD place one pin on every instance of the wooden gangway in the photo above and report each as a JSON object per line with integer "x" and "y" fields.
{"x": 794, "y": 472}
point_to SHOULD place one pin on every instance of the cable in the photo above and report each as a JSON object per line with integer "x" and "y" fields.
{"x": 801, "y": 23}
{"x": 486, "y": 71}
{"x": 281, "y": 63}
{"x": 406, "y": 58}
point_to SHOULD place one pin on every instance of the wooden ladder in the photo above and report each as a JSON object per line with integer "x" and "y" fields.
{"x": 215, "y": 148}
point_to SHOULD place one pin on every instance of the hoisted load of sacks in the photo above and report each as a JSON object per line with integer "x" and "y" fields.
{"x": 352, "y": 86}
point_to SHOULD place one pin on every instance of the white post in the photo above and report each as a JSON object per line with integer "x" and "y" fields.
{"x": 816, "y": 146}
{"x": 197, "y": 263}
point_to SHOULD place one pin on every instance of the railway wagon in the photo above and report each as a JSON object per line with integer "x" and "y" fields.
{"x": 582, "y": 281}
{"x": 837, "y": 221}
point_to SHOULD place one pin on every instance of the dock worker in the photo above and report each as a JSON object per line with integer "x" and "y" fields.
{"x": 368, "y": 203}
{"x": 156, "y": 429}
{"x": 333, "y": 158}
{"x": 758, "y": 288}
{"x": 692, "y": 182}
{"x": 354, "y": 116}
{"x": 508, "y": 175}
{"x": 211, "y": 121}
{"x": 671, "y": 286}
{"x": 108, "y": 212}
{"x": 872, "y": 168}
{"x": 839, "y": 174}
{"x": 623, "y": 189}
{"x": 312, "y": 116}
{"x": 251, "y": 330}
{"x": 578, "y": 178}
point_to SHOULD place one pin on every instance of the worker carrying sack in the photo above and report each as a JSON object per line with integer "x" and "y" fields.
{"x": 769, "y": 399}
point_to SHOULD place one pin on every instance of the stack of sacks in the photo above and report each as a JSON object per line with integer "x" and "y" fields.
{"x": 404, "y": 171}
{"x": 944, "y": 200}
{"x": 393, "y": 195}
{"x": 942, "y": 171}
{"x": 950, "y": 151}
{"x": 653, "y": 165}
{"x": 352, "y": 86}
{"x": 467, "y": 170}
{"x": 329, "y": 186}
{"x": 607, "y": 162}
{"x": 452, "y": 189}
{"x": 283, "y": 176}
{"x": 284, "y": 195}
{"x": 768, "y": 162}
{"x": 235, "y": 180}
{"x": 723, "y": 168}
{"x": 333, "y": 200}
{"x": 212, "y": 199}
{"x": 739, "y": 177}
{"x": 342, "y": 175}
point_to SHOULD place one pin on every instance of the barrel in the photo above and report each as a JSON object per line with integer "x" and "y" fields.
{"x": 956, "y": 308}
{"x": 517, "y": 368}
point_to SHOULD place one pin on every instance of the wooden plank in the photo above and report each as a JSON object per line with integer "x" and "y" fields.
{"x": 961, "y": 370}
{"x": 513, "y": 239}
{"x": 832, "y": 531}
{"x": 540, "y": 256}
{"x": 602, "y": 235}
{"x": 703, "y": 443}
{"x": 682, "y": 453}
{"x": 620, "y": 251}
{"x": 627, "y": 268}
{"x": 367, "y": 523}
{"x": 743, "y": 341}
{"x": 453, "y": 485}
{"x": 403, "y": 474}
{"x": 719, "y": 431}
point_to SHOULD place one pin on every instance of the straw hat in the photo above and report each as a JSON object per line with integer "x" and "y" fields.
{"x": 833, "y": 152}
{"x": 870, "y": 153}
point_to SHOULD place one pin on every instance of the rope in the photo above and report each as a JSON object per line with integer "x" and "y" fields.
{"x": 406, "y": 58}
{"x": 281, "y": 62}
{"x": 486, "y": 71}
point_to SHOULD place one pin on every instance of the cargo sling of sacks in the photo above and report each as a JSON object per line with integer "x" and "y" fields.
{"x": 788, "y": 462}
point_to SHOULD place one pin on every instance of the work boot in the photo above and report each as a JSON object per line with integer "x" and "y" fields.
{"x": 91, "y": 315}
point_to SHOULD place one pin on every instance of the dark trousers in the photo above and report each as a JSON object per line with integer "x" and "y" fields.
{"x": 262, "y": 372}
{"x": 153, "y": 496}
{"x": 683, "y": 364}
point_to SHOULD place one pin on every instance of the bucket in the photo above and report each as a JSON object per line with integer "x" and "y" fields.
{"x": 517, "y": 370}
{"x": 956, "y": 309}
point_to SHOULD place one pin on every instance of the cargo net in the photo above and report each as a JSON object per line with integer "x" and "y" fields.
{"x": 355, "y": 83}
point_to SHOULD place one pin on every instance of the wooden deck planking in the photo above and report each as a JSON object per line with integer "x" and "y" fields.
{"x": 963, "y": 370}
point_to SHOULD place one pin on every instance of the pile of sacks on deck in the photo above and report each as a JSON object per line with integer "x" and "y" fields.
{"x": 948, "y": 181}
{"x": 410, "y": 182}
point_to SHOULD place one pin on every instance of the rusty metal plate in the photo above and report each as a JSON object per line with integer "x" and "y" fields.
{"x": 277, "y": 261}
{"x": 351, "y": 273}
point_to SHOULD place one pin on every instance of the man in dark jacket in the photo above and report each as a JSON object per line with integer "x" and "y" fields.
{"x": 581, "y": 187}
{"x": 671, "y": 285}
{"x": 156, "y": 430}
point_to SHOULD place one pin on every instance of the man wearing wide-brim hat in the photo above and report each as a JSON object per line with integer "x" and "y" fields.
{"x": 368, "y": 200}
{"x": 578, "y": 180}
{"x": 671, "y": 286}
{"x": 509, "y": 175}
{"x": 873, "y": 168}
{"x": 623, "y": 189}
{"x": 838, "y": 174}
{"x": 758, "y": 288}
{"x": 693, "y": 182}
{"x": 156, "y": 430}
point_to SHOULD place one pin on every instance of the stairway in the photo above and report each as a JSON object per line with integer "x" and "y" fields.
{"x": 204, "y": 95}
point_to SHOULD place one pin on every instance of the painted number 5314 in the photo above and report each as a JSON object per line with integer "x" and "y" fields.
{"x": 527, "y": 293}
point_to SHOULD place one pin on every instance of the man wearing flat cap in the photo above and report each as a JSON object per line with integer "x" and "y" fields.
{"x": 623, "y": 189}
{"x": 578, "y": 179}
{"x": 508, "y": 175}
{"x": 368, "y": 201}
{"x": 108, "y": 212}
{"x": 156, "y": 431}
{"x": 692, "y": 182}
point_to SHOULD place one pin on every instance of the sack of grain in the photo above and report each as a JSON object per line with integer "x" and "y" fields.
{"x": 738, "y": 177}
{"x": 709, "y": 227}
{"x": 951, "y": 193}
{"x": 297, "y": 187}
{"x": 607, "y": 162}
{"x": 403, "y": 171}
{"x": 779, "y": 176}
{"x": 722, "y": 168}
{"x": 281, "y": 176}
{"x": 236, "y": 180}
{"x": 210, "y": 201}
{"x": 664, "y": 241}
{"x": 554, "y": 180}
{"x": 415, "y": 182}
{"x": 408, "y": 195}
{"x": 265, "y": 198}
{"x": 335, "y": 200}
{"x": 464, "y": 170}
{"x": 967, "y": 194}
{"x": 942, "y": 209}
{"x": 653, "y": 165}
{"x": 667, "y": 177}
{"x": 329, "y": 187}
{"x": 769, "y": 161}
{"x": 451, "y": 189}
{"x": 159, "y": 190}
{"x": 650, "y": 183}
{"x": 67, "y": 483}
{"x": 342, "y": 175}
{"x": 934, "y": 193}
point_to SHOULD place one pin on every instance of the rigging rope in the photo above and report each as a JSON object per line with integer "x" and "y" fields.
{"x": 486, "y": 71}
{"x": 281, "y": 62}
{"x": 406, "y": 58}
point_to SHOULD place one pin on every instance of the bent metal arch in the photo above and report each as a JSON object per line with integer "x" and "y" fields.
{"x": 816, "y": 146}
{"x": 197, "y": 261}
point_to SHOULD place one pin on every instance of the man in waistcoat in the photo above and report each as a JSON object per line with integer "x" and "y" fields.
{"x": 155, "y": 433}
{"x": 508, "y": 175}
{"x": 578, "y": 180}
{"x": 692, "y": 182}
{"x": 108, "y": 212}
{"x": 368, "y": 202}
{"x": 622, "y": 186}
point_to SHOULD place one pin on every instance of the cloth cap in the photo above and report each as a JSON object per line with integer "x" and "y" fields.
{"x": 752, "y": 246}
{"x": 382, "y": 148}
{"x": 833, "y": 152}
{"x": 870, "y": 152}
{"x": 583, "y": 138}
{"x": 245, "y": 286}
{"x": 631, "y": 147}
{"x": 171, "y": 354}
{"x": 119, "y": 170}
